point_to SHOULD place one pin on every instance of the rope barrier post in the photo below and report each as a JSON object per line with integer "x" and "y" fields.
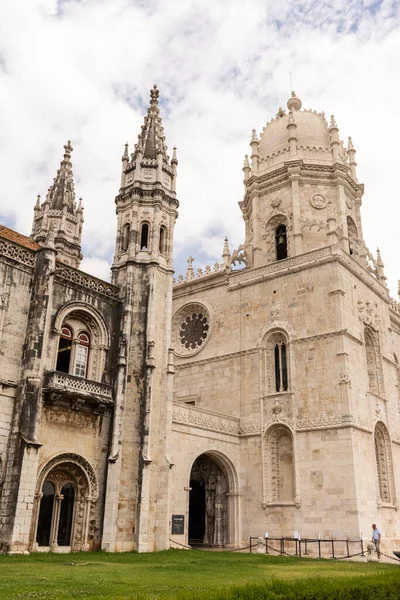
{"x": 266, "y": 542}
{"x": 300, "y": 547}
{"x": 333, "y": 549}
{"x": 283, "y": 545}
{"x": 305, "y": 546}
{"x": 319, "y": 548}
{"x": 347, "y": 544}
{"x": 362, "y": 547}
{"x": 250, "y": 545}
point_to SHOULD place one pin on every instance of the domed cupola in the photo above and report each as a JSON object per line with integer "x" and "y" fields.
{"x": 299, "y": 134}
{"x": 301, "y": 188}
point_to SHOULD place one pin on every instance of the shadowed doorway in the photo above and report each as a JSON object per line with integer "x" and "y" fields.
{"x": 208, "y": 503}
{"x": 197, "y": 511}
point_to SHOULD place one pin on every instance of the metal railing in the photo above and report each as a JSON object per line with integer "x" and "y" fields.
{"x": 291, "y": 546}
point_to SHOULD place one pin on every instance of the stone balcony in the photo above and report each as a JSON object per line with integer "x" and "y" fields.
{"x": 63, "y": 389}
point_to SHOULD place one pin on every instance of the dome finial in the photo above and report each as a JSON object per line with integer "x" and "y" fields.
{"x": 294, "y": 103}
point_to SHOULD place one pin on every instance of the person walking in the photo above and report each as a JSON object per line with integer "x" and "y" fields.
{"x": 376, "y": 538}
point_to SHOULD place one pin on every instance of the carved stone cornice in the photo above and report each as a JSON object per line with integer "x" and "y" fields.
{"x": 200, "y": 418}
{"x": 214, "y": 359}
{"x": 306, "y": 261}
{"x": 334, "y": 420}
{"x": 17, "y": 253}
{"x": 90, "y": 283}
{"x": 328, "y": 334}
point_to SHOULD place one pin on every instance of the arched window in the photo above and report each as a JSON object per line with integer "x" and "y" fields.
{"x": 43, "y": 535}
{"x": 162, "y": 240}
{"x": 64, "y": 350}
{"x": 66, "y": 514}
{"x": 384, "y": 464}
{"x": 280, "y": 465}
{"x": 73, "y": 352}
{"x": 81, "y": 355}
{"x": 126, "y": 231}
{"x": 275, "y": 361}
{"x": 281, "y": 374}
{"x": 88, "y": 338}
{"x": 144, "y": 237}
{"x": 280, "y": 242}
{"x": 352, "y": 236}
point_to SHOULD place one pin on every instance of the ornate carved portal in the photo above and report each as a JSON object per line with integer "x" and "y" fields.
{"x": 208, "y": 519}
{"x": 67, "y": 489}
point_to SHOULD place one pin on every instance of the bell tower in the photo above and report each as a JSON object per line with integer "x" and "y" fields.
{"x": 137, "y": 504}
{"x": 60, "y": 215}
{"x": 146, "y": 203}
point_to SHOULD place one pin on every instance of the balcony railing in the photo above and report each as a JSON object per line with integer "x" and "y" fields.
{"x": 77, "y": 388}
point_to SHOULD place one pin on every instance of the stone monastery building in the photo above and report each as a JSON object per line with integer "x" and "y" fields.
{"x": 262, "y": 394}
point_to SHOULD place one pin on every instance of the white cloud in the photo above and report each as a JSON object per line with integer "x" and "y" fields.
{"x": 82, "y": 71}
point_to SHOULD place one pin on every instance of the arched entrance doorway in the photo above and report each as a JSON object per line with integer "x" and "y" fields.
{"x": 211, "y": 512}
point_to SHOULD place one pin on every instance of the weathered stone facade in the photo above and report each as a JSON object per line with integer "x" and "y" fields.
{"x": 262, "y": 394}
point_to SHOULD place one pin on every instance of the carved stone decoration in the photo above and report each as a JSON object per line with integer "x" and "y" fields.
{"x": 206, "y": 472}
{"x": 318, "y": 201}
{"x": 148, "y": 174}
{"x": 191, "y": 329}
{"x": 279, "y": 476}
{"x": 367, "y": 314}
{"x": 384, "y": 464}
{"x": 276, "y": 410}
{"x": 373, "y": 358}
{"x": 275, "y": 202}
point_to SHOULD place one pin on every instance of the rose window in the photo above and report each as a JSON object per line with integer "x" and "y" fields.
{"x": 191, "y": 327}
{"x": 194, "y": 331}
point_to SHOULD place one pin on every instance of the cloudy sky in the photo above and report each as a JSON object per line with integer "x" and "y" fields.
{"x": 82, "y": 70}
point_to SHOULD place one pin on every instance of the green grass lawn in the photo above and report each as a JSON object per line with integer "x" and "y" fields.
{"x": 171, "y": 574}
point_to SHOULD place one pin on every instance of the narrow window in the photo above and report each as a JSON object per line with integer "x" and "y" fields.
{"x": 144, "y": 237}
{"x": 126, "y": 230}
{"x": 64, "y": 350}
{"x": 82, "y": 353}
{"x": 66, "y": 514}
{"x": 280, "y": 242}
{"x": 281, "y": 374}
{"x": 45, "y": 515}
{"x": 162, "y": 240}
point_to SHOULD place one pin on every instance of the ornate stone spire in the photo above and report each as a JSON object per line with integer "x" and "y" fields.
{"x": 151, "y": 140}
{"x": 351, "y": 152}
{"x": 255, "y": 153}
{"x": 62, "y": 192}
{"x": 246, "y": 167}
{"x": 335, "y": 142}
{"x": 58, "y": 218}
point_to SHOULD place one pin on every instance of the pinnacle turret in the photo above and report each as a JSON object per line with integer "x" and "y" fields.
{"x": 58, "y": 218}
